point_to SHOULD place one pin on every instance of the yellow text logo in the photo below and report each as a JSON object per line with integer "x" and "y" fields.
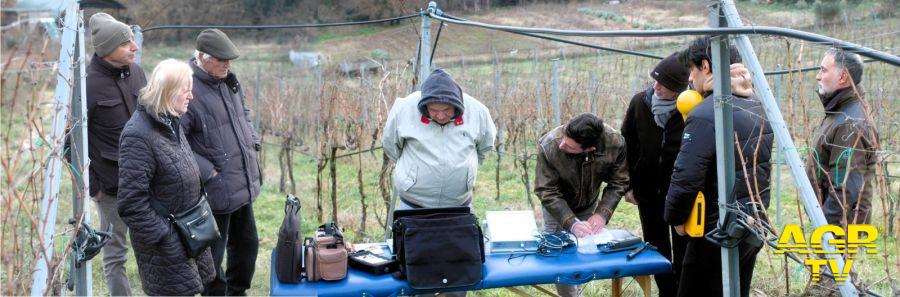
{"x": 857, "y": 239}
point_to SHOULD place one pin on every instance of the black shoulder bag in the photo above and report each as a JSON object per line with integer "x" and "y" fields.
{"x": 289, "y": 251}
{"x": 196, "y": 226}
{"x": 442, "y": 250}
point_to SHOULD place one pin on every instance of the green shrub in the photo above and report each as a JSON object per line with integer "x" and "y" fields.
{"x": 827, "y": 12}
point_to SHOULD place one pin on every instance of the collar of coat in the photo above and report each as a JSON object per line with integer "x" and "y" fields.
{"x": 458, "y": 121}
{"x": 203, "y": 76}
{"x": 165, "y": 122}
{"x": 110, "y": 70}
{"x": 840, "y": 98}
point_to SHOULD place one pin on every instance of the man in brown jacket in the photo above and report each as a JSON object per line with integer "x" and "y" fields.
{"x": 573, "y": 160}
{"x": 842, "y": 166}
{"x": 113, "y": 84}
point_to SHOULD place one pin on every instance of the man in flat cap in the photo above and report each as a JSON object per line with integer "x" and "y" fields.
{"x": 226, "y": 146}
{"x": 113, "y": 85}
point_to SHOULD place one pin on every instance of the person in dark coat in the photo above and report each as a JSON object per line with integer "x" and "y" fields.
{"x": 156, "y": 165}
{"x": 226, "y": 148}
{"x": 842, "y": 166}
{"x": 695, "y": 171}
{"x": 652, "y": 129}
{"x": 113, "y": 81}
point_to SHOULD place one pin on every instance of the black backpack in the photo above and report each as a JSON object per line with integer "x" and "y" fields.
{"x": 289, "y": 251}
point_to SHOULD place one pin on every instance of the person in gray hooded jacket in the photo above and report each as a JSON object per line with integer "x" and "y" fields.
{"x": 436, "y": 139}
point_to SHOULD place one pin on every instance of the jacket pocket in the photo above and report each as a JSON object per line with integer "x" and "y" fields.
{"x": 470, "y": 178}
{"x": 110, "y": 113}
{"x": 407, "y": 182}
{"x": 218, "y": 193}
{"x": 110, "y": 155}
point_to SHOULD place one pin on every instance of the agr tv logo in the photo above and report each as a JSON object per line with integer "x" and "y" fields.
{"x": 845, "y": 243}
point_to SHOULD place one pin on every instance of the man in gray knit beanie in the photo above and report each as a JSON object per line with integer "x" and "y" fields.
{"x": 113, "y": 83}
{"x": 107, "y": 34}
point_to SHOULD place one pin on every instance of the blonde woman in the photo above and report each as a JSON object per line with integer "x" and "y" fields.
{"x": 156, "y": 165}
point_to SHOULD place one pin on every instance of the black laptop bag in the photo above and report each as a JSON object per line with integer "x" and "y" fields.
{"x": 441, "y": 250}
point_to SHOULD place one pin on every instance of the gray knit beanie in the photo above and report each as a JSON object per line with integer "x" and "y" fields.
{"x": 107, "y": 33}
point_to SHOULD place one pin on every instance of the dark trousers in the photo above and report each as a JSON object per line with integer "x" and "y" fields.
{"x": 701, "y": 272}
{"x": 239, "y": 237}
{"x": 668, "y": 243}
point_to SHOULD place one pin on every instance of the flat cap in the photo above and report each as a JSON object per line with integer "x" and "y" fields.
{"x": 217, "y": 44}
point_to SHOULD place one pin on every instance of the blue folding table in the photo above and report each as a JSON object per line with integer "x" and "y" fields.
{"x": 500, "y": 271}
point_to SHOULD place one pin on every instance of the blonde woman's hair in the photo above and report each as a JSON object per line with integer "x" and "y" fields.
{"x": 167, "y": 79}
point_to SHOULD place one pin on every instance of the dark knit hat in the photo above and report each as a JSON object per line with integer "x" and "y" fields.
{"x": 107, "y": 33}
{"x": 671, "y": 73}
{"x": 217, "y": 44}
{"x": 439, "y": 87}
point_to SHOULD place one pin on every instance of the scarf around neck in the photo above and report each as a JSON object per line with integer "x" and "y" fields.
{"x": 662, "y": 110}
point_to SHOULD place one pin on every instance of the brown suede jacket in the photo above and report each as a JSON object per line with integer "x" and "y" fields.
{"x": 842, "y": 165}
{"x": 568, "y": 184}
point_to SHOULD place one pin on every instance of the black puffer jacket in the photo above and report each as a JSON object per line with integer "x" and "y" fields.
{"x": 651, "y": 150}
{"x": 695, "y": 167}
{"x": 111, "y": 99}
{"x": 217, "y": 125}
{"x": 156, "y": 163}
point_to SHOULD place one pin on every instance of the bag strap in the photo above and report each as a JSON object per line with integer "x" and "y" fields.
{"x": 331, "y": 229}
{"x": 162, "y": 211}
{"x": 165, "y": 213}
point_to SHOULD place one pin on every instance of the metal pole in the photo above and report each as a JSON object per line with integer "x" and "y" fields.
{"x": 50, "y": 200}
{"x": 783, "y": 136}
{"x": 731, "y": 283}
{"x": 363, "y": 112}
{"x": 319, "y": 92}
{"x": 539, "y": 94}
{"x": 80, "y": 209}
{"x": 593, "y": 93}
{"x": 256, "y": 99}
{"x": 139, "y": 40}
{"x": 777, "y": 164}
{"x": 556, "y": 112}
{"x": 498, "y": 105}
{"x": 425, "y": 46}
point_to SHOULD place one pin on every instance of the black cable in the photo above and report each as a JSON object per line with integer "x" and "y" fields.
{"x": 434, "y": 47}
{"x": 627, "y": 52}
{"x": 579, "y": 43}
{"x": 805, "y": 69}
{"x": 763, "y": 30}
{"x": 227, "y": 27}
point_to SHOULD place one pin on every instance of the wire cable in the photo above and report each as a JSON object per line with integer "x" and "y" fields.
{"x": 236, "y": 27}
{"x": 805, "y": 69}
{"x": 579, "y": 43}
{"x": 764, "y": 30}
{"x": 434, "y": 46}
